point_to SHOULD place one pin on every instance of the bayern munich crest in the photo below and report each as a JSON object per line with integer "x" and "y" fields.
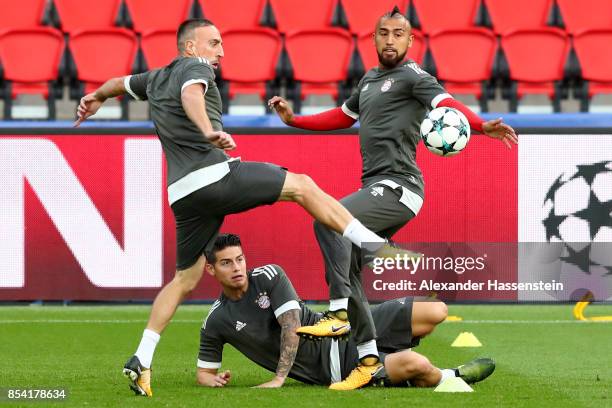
{"x": 386, "y": 85}
{"x": 263, "y": 301}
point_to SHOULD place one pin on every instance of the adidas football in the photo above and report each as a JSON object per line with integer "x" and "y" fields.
{"x": 445, "y": 131}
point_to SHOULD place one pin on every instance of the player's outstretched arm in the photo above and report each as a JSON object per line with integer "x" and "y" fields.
{"x": 332, "y": 119}
{"x": 90, "y": 103}
{"x": 497, "y": 129}
{"x": 289, "y": 343}
{"x": 209, "y": 377}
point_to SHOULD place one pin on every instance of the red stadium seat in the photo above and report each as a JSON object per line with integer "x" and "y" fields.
{"x": 536, "y": 60}
{"x": 256, "y": 73}
{"x": 510, "y": 15}
{"x": 585, "y": 14}
{"x": 100, "y": 55}
{"x": 27, "y": 72}
{"x": 245, "y": 15}
{"x": 464, "y": 72}
{"x": 369, "y": 57}
{"x": 362, "y": 15}
{"x": 320, "y": 61}
{"x": 158, "y": 47}
{"x": 79, "y": 15}
{"x": 437, "y": 15}
{"x": 157, "y": 14}
{"x": 28, "y": 13}
{"x": 303, "y": 15}
{"x": 596, "y": 67}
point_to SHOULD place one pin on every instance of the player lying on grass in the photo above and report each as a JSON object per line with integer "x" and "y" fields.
{"x": 259, "y": 311}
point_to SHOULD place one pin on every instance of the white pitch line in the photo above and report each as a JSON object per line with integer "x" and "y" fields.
{"x": 189, "y": 321}
{"x": 91, "y": 321}
{"x": 528, "y": 321}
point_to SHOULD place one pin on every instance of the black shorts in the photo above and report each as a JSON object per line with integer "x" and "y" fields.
{"x": 200, "y": 214}
{"x": 393, "y": 321}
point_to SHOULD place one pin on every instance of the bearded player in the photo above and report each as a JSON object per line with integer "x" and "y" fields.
{"x": 390, "y": 101}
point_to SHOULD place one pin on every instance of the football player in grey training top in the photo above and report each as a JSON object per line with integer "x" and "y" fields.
{"x": 204, "y": 183}
{"x": 390, "y": 102}
{"x": 258, "y": 313}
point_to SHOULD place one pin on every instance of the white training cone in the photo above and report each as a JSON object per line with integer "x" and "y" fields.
{"x": 454, "y": 384}
{"x": 466, "y": 339}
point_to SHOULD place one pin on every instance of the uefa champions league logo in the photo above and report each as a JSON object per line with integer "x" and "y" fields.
{"x": 579, "y": 213}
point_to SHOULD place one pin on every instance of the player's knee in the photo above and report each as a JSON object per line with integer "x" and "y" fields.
{"x": 412, "y": 364}
{"x": 420, "y": 366}
{"x": 304, "y": 186}
{"x": 188, "y": 279}
{"x": 424, "y": 374}
{"x": 297, "y": 187}
{"x": 439, "y": 313}
{"x": 308, "y": 184}
{"x": 424, "y": 365}
{"x": 190, "y": 286}
{"x": 436, "y": 314}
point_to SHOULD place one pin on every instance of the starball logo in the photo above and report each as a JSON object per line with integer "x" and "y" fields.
{"x": 578, "y": 213}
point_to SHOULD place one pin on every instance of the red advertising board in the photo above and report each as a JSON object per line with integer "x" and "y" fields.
{"x": 85, "y": 217}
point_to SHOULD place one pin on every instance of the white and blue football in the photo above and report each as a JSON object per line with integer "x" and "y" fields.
{"x": 445, "y": 131}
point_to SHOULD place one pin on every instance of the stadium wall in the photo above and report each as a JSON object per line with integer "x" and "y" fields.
{"x": 85, "y": 215}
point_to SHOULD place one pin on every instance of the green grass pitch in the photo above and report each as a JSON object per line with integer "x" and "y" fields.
{"x": 544, "y": 358}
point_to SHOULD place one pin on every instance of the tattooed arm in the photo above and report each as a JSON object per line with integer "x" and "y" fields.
{"x": 289, "y": 342}
{"x": 289, "y": 322}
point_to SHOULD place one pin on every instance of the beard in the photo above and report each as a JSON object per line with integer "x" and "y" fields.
{"x": 391, "y": 62}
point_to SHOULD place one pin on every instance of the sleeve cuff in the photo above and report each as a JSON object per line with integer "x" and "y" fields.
{"x": 195, "y": 81}
{"x": 207, "y": 364}
{"x": 349, "y": 112}
{"x": 290, "y": 305}
{"x": 439, "y": 98}
{"x": 126, "y": 84}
